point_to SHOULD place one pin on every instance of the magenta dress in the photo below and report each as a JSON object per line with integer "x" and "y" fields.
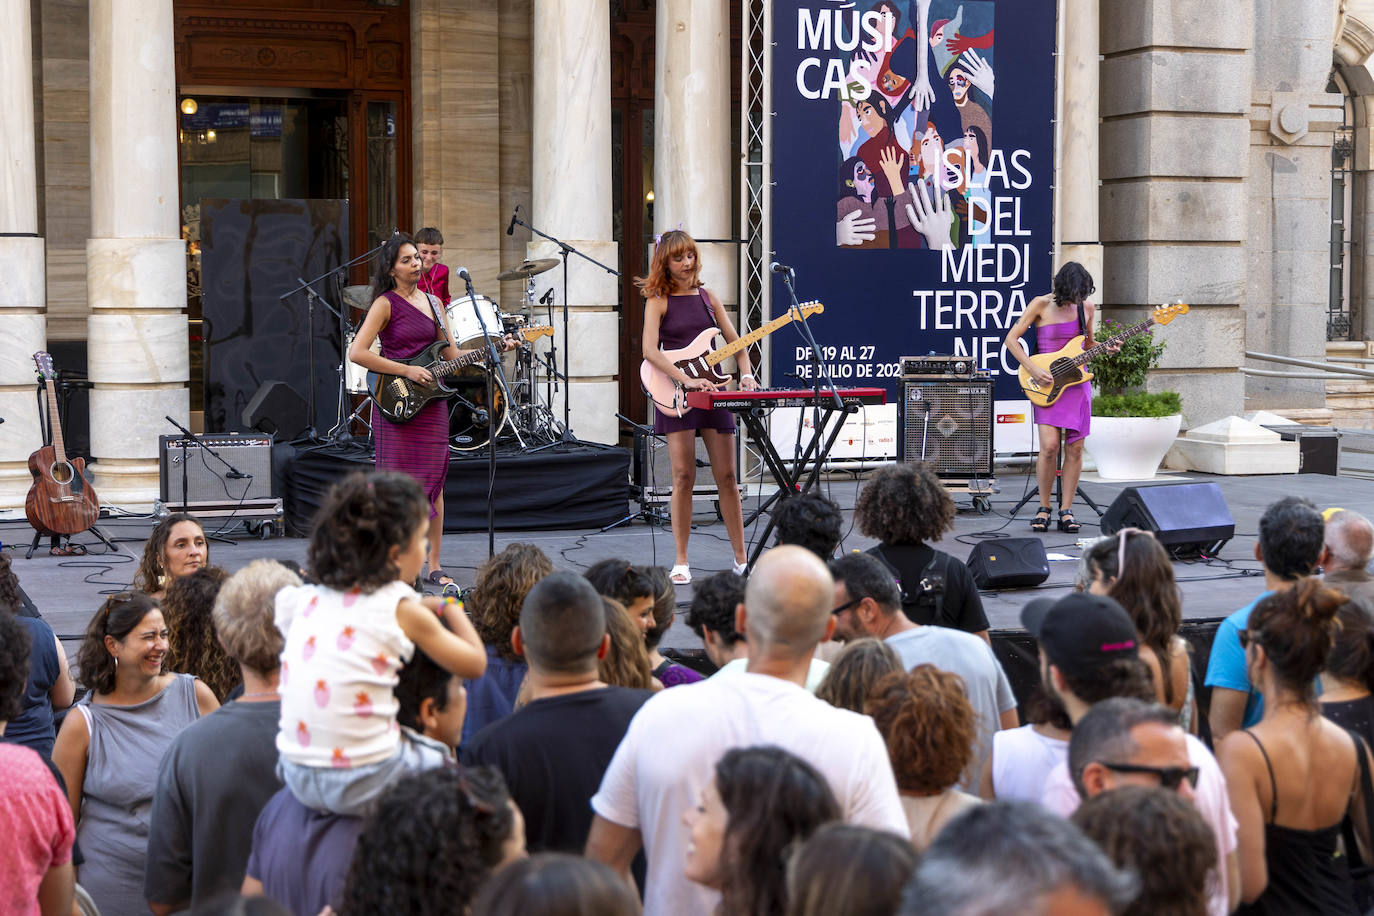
{"x": 418, "y": 447}
{"x": 683, "y": 319}
{"x": 1073, "y": 411}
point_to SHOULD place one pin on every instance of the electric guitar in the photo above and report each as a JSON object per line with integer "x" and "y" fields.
{"x": 60, "y": 500}
{"x": 698, "y": 360}
{"x": 400, "y": 399}
{"x": 1066, "y": 363}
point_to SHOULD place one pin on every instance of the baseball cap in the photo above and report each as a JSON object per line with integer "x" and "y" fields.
{"x": 1081, "y": 632}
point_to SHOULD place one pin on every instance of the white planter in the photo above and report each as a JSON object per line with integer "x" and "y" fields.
{"x": 1131, "y": 448}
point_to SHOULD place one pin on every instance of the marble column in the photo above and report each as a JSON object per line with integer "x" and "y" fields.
{"x": 1079, "y": 238}
{"x": 137, "y": 346}
{"x": 22, "y": 330}
{"x": 571, "y": 199}
{"x": 692, "y": 174}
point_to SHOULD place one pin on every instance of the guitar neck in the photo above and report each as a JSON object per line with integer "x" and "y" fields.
{"x": 749, "y": 339}
{"x": 54, "y": 423}
{"x": 449, "y": 366}
{"x": 1101, "y": 346}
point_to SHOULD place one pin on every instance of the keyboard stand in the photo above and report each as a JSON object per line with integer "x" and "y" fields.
{"x": 788, "y": 481}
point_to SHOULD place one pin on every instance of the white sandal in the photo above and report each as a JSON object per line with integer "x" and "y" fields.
{"x": 742, "y": 568}
{"x": 680, "y": 574}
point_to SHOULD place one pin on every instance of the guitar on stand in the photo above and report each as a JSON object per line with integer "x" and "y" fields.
{"x": 61, "y": 502}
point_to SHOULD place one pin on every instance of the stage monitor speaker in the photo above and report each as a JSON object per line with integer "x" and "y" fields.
{"x": 946, "y": 422}
{"x": 206, "y": 477}
{"x": 1190, "y": 519}
{"x": 1009, "y": 563}
{"x": 276, "y": 409}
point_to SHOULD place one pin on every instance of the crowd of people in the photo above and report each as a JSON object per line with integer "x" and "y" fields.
{"x": 331, "y": 739}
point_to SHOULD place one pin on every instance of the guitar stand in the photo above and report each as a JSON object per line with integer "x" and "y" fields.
{"x": 1058, "y": 486}
{"x": 57, "y": 540}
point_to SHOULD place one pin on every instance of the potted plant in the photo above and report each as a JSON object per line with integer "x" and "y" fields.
{"x": 1132, "y": 428}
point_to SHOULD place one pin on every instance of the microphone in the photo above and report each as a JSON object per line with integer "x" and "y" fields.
{"x": 547, "y": 297}
{"x": 464, "y": 275}
{"x": 515, "y": 214}
{"x": 777, "y": 268}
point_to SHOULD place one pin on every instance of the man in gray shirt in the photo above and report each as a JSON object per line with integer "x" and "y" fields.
{"x": 869, "y": 603}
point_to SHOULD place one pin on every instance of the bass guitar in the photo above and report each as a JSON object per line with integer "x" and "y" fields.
{"x": 60, "y": 500}
{"x": 400, "y": 399}
{"x": 1066, "y": 364}
{"x": 698, "y": 360}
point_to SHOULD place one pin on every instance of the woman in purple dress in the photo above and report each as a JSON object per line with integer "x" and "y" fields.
{"x": 678, "y": 308}
{"x": 1056, "y": 320}
{"x": 406, "y": 321}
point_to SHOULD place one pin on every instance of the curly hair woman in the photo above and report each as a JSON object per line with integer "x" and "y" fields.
{"x": 761, "y": 802}
{"x": 494, "y": 605}
{"x": 1293, "y": 777}
{"x": 192, "y": 646}
{"x": 431, "y": 841}
{"x": 928, "y": 723}
{"x": 904, "y": 506}
{"x": 177, "y": 547}
{"x": 111, "y": 744}
{"x": 1135, "y": 569}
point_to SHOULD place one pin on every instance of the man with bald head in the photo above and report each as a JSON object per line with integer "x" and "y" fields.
{"x": 1349, "y": 541}
{"x": 670, "y": 751}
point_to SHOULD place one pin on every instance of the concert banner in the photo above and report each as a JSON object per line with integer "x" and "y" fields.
{"x": 913, "y": 163}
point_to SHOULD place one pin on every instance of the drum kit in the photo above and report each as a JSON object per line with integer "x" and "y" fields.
{"x": 522, "y": 392}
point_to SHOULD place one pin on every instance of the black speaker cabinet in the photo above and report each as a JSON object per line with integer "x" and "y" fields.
{"x": 946, "y": 422}
{"x": 1189, "y": 519}
{"x": 207, "y": 479}
{"x": 276, "y": 409}
{"x": 1009, "y": 563}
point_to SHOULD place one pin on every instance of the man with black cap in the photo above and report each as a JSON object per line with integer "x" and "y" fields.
{"x": 1088, "y": 653}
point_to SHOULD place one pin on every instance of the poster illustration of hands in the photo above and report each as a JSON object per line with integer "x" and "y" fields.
{"x": 913, "y": 164}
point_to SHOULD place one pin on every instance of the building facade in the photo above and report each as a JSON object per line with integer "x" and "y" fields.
{"x": 1220, "y": 159}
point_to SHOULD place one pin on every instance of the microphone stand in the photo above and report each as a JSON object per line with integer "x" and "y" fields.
{"x": 187, "y": 437}
{"x": 564, "y": 249}
{"x": 495, "y": 358}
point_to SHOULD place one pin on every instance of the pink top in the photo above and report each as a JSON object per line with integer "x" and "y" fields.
{"x": 436, "y": 282}
{"x": 35, "y": 821}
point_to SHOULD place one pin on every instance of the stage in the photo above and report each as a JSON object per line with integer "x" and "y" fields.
{"x": 68, "y": 590}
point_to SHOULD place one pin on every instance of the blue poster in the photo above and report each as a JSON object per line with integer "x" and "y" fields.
{"x": 913, "y": 164}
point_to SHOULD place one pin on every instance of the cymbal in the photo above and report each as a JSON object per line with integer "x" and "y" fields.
{"x": 527, "y": 268}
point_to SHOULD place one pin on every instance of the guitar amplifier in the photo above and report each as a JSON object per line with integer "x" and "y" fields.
{"x": 207, "y": 479}
{"x": 946, "y": 422}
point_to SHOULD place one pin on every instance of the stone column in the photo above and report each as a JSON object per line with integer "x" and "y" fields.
{"x": 692, "y": 174}
{"x": 571, "y": 199}
{"x": 1079, "y": 238}
{"x": 22, "y": 330}
{"x": 1175, "y": 154}
{"x": 137, "y": 260}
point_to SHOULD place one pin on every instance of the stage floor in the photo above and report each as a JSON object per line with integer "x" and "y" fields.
{"x": 68, "y": 590}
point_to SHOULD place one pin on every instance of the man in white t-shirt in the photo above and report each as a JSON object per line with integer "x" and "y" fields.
{"x": 868, "y": 602}
{"x": 670, "y": 751}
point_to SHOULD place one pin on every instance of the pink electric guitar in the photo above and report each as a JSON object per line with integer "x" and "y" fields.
{"x": 698, "y": 360}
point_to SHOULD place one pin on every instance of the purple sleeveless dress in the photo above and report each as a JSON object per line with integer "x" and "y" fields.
{"x": 1073, "y": 411}
{"x": 685, "y": 318}
{"x": 418, "y": 447}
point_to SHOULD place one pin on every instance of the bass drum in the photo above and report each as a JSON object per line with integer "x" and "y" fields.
{"x": 469, "y": 428}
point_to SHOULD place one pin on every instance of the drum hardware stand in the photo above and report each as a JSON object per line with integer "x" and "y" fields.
{"x": 651, "y": 516}
{"x": 564, "y": 250}
{"x": 495, "y": 358}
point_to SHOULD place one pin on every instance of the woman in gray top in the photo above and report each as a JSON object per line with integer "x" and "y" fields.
{"x": 109, "y": 750}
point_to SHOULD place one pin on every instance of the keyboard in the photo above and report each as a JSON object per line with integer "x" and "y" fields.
{"x": 783, "y": 397}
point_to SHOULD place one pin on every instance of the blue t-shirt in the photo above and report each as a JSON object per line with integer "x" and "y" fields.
{"x": 33, "y": 727}
{"x": 1226, "y": 664}
{"x": 491, "y": 697}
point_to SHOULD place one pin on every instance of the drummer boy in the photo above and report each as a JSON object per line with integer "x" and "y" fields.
{"x": 433, "y": 275}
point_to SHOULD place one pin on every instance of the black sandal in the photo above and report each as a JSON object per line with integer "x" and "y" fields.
{"x": 1041, "y": 522}
{"x": 1067, "y": 522}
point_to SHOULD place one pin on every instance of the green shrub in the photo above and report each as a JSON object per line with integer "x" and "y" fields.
{"x": 1117, "y": 373}
{"x": 1137, "y": 404}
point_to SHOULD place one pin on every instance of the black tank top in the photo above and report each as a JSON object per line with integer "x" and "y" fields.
{"x": 1305, "y": 875}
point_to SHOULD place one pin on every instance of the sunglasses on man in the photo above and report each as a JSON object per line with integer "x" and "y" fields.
{"x": 1169, "y": 777}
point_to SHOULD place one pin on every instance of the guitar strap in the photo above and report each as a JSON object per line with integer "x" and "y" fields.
{"x": 706, "y": 300}
{"x": 442, "y": 326}
{"x": 1082, "y": 320}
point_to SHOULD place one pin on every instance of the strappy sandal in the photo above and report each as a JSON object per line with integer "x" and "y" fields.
{"x": 680, "y": 574}
{"x": 71, "y": 550}
{"x": 1067, "y": 523}
{"x": 1041, "y": 522}
{"x": 436, "y": 578}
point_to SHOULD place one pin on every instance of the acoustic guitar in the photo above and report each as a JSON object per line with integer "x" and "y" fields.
{"x": 698, "y": 360}
{"x": 399, "y": 399}
{"x": 1066, "y": 364}
{"x": 60, "y": 500}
